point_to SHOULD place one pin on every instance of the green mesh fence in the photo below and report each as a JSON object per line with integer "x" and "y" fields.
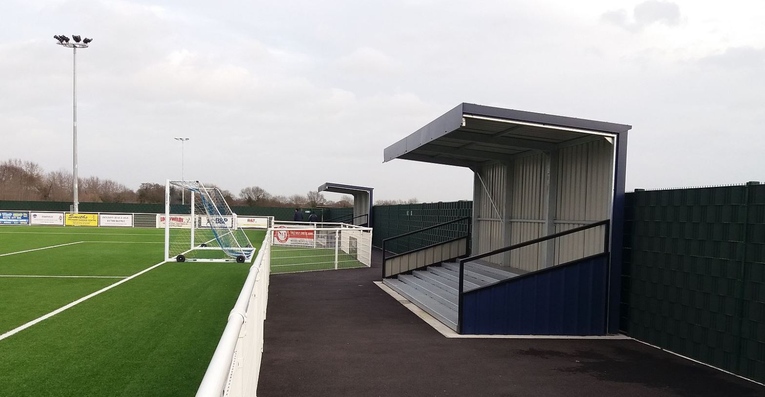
{"x": 694, "y": 274}
{"x": 393, "y": 220}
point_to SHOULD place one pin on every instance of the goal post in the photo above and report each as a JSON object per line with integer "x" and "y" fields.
{"x": 206, "y": 230}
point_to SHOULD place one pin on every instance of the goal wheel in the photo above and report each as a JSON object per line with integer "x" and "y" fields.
{"x": 203, "y": 245}
{"x": 240, "y": 259}
{"x": 180, "y": 258}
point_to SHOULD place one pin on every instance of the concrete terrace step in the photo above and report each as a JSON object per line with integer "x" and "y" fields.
{"x": 435, "y": 288}
{"x": 447, "y": 298}
{"x": 453, "y": 276}
{"x": 483, "y": 270}
{"x": 473, "y": 280}
{"x": 437, "y": 280}
{"x": 425, "y": 302}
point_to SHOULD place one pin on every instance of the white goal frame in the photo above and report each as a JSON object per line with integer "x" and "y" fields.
{"x": 211, "y": 220}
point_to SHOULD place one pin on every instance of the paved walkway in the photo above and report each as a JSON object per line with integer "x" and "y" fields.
{"x": 336, "y": 333}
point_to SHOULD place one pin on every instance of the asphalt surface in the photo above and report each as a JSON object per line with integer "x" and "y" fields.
{"x": 336, "y": 333}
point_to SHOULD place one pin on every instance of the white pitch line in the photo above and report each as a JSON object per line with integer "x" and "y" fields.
{"x": 123, "y": 242}
{"x": 75, "y": 303}
{"x": 42, "y": 248}
{"x": 52, "y": 276}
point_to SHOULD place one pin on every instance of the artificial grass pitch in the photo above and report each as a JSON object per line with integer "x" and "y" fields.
{"x": 153, "y": 335}
{"x": 298, "y": 259}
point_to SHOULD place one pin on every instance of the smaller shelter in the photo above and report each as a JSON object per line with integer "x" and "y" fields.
{"x": 362, "y": 200}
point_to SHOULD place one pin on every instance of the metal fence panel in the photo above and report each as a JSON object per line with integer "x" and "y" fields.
{"x": 694, "y": 274}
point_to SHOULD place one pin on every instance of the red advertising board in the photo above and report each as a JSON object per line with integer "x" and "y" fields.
{"x": 294, "y": 237}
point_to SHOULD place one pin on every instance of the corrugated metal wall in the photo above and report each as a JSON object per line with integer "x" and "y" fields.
{"x": 541, "y": 194}
{"x": 694, "y": 274}
{"x": 585, "y": 185}
{"x": 491, "y": 194}
{"x": 527, "y": 217}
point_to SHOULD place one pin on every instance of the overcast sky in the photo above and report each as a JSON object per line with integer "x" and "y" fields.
{"x": 287, "y": 95}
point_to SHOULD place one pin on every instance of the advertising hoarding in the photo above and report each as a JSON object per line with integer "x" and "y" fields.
{"x": 14, "y": 218}
{"x": 47, "y": 218}
{"x": 116, "y": 220}
{"x": 81, "y": 220}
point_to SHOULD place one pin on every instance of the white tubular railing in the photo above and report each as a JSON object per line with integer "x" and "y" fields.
{"x": 235, "y": 366}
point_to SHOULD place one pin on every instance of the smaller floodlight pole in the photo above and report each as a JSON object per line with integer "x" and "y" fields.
{"x": 182, "y": 139}
{"x": 78, "y": 43}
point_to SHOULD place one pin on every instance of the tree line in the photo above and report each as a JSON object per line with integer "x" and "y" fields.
{"x": 27, "y": 181}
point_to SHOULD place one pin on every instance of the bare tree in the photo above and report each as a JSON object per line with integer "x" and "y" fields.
{"x": 151, "y": 193}
{"x": 56, "y": 186}
{"x": 396, "y": 202}
{"x": 94, "y": 189}
{"x": 20, "y": 180}
{"x": 254, "y": 195}
{"x": 345, "y": 201}
{"x": 297, "y": 200}
{"x": 315, "y": 199}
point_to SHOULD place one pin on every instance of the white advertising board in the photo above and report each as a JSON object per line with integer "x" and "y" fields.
{"x": 47, "y": 218}
{"x": 176, "y": 221}
{"x": 121, "y": 220}
{"x": 220, "y": 221}
{"x": 255, "y": 222}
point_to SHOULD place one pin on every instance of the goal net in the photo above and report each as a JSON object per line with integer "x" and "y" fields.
{"x": 319, "y": 246}
{"x": 205, "y": 230}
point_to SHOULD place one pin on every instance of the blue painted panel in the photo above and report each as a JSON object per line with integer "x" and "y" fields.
{"x": 564, "y": 300}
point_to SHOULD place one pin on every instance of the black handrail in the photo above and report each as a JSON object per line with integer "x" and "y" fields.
{"x": 420, "y": 231}
{"x": 351, "y": 217}
{"x": 460, "y": 287}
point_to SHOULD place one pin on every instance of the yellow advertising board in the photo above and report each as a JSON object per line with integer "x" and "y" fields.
{"x": 81, "y": 220}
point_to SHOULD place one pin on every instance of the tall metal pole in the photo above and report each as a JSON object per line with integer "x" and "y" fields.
{"x": 75, "y": 186}
{"x": 183, "y": 178}
{"x": 77, "y": 42}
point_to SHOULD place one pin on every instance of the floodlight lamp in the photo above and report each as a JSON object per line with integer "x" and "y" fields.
{"x": 66, "y": 39}
{"x": 76, "y": 38}
{"x": 57, "y": 38}
{"x": 86, "y": 40}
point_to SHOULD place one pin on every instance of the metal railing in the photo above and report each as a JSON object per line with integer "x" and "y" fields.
{"x": 461, "y": 285}
{"x": 235, "y": 365}
{"x": 457, "y": 229}
{"x": 364, "y": 219}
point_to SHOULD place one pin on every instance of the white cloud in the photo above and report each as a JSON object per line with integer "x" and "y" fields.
{"x": 369, "y": 62}
{"x": 295, "y": 94}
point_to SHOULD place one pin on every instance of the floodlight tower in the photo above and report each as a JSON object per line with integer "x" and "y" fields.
{"x": 183, "y": 139}
{"x": 76, "y": 43}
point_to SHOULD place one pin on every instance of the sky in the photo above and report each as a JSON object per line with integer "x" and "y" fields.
{"x": 289, "y": 95}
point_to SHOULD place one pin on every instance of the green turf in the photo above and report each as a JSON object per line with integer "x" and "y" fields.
{"x": 297, "y": 259}
{"x": 180, "y": 244}
{"x": 151, "y": 336}
{"x": 25, "y": 299}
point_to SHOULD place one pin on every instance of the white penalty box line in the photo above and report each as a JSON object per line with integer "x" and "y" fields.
{"x": 75, "y": 303}
{"x": 52, "y": 276}
{"x": 41, "y": 248}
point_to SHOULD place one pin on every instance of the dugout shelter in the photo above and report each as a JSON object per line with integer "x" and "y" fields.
{"x": 362, "y": 200}
{"x": 537, "y": 175}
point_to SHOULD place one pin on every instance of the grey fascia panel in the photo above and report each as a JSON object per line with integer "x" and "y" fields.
{"x": 543, "y": 119}
{"x": 437, "y": 128}
{"x": 453, "y": 120}
{"x": 344, "y": 189}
